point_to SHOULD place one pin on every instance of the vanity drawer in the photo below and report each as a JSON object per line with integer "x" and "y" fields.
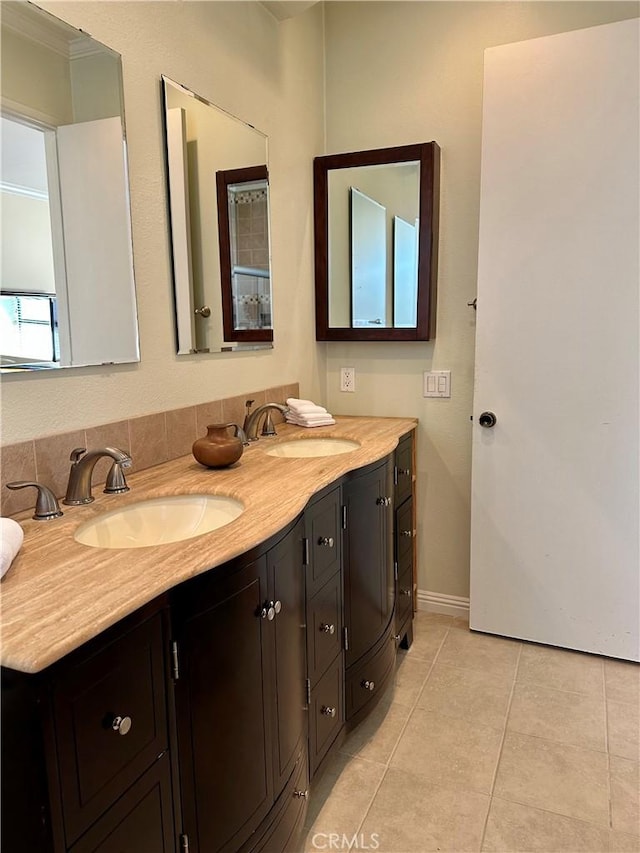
{"x": 323, "y": 530}
{"x": 324, "y": 627}
{"x": 404, "y": 536}
{"x": 140, "y": 822}
{"x": 287, "y": 818}
{"x": 366, "y": 681}
{"x": 110, "y": 721}
{"x": 326, "y": 716}
{"x": 403, "y": 469}
{"x": 404, "y": 599}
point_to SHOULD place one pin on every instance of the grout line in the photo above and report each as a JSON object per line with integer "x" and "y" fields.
{"x": 530, "y": 805}
{"x": 504, "y": 735}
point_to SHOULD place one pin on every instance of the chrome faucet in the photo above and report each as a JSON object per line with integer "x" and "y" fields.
{"x": 251, "y": 426}
{"x": 79, "y": 486}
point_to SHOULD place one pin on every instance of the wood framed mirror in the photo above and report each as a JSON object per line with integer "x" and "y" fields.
{"x": 376, "y": 218}
{"x": 243, "y": 234}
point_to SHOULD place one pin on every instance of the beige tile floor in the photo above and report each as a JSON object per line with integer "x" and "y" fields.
{"x": 488, "y": 744}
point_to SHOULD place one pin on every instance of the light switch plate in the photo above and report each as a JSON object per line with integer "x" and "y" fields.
{"x": 437, "y": 383}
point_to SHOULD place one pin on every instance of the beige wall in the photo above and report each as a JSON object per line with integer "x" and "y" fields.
{"x": 400, "y": 73}
{"x": 269, "y": 74}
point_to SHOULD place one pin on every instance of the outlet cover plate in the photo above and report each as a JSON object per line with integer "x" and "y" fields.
{"x": 348, "y": 379}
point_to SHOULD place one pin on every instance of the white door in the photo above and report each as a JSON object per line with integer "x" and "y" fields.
{"x": 368, "y": 261}
{"x": 555, "y": 507}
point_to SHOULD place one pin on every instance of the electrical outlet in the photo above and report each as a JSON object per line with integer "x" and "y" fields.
{"x": 348, "y": 379}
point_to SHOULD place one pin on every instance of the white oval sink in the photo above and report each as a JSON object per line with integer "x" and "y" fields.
{"x": 159, "y": 521}
{"x": 304, "y": 447}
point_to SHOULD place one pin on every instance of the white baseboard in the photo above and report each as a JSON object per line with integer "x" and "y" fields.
{"x": 438, "y": 602}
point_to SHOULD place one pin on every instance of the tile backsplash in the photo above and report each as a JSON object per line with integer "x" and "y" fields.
{"x": 150, "y": 439}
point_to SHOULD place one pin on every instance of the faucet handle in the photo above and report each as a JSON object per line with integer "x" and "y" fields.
{"x": 267, "y": 426}
{"x": 46, "y": 503}
{"x": 116, "y": 483}
{"x": 77, "y": 453}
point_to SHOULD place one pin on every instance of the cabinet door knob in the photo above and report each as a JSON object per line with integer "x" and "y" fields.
{"x": 405, "y": 592}
{"x": 404, "y": 472}
{"x": 383, "y": 501}
{"x": 301, "y": 795}
{"x": 326, "y": 628}
{"x": 408, "y": 533}
{"x": 122, "y": 725}
{"x": 368, "y": 685}
{"x": 326, "y": 540}
{"x": 327, "y": 711}
{"x": 269, "y": 610}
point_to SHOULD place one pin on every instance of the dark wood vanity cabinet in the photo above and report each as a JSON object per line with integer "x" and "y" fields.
{"x": 196, "y": 723}
{"x": 369, "y": 586}
{"x": 240, "y": 695}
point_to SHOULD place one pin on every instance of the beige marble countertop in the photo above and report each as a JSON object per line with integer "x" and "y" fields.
{"x": 58, "y": 593}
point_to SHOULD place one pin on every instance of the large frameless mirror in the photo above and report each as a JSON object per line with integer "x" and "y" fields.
{"x": 219, "y": 213}
{"x": 376, "y": 243}
{"x": 67, "y": 293}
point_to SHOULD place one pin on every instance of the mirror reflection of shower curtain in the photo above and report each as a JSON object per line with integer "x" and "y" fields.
{"x": 405, "y": 274}
{"x": 368, "y": 222}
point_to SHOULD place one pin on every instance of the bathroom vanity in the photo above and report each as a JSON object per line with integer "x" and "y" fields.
{"x": 198, "y": 719}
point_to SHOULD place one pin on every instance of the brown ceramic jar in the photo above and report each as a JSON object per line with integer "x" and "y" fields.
{"x": 217, "y": 448}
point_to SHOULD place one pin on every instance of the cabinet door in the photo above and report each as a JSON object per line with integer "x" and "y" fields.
{"x": 286, "y": 580}
{"x": 223, "y": 698}
{"x": 368, "y": 550}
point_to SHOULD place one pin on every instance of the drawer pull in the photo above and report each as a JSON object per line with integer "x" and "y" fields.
{"x": 327, "y": 629}
{"x": 383, "y": 501}
{"x": 122, "y": 725}
{"x": 327, "y": 711}
{"x": 301, "y": 795}
{"x": 405, "y": 592}
{"x": 368, "y": 685}
{"x": 326, "y": 540}
{"x": 408, "y": 533}
{"x": 404, "y": 472}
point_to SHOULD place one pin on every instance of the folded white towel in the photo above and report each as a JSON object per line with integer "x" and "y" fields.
{"x": 11, "y": 537}
{"x": 310, "y": 421}
{"x": 305, "y": 407}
